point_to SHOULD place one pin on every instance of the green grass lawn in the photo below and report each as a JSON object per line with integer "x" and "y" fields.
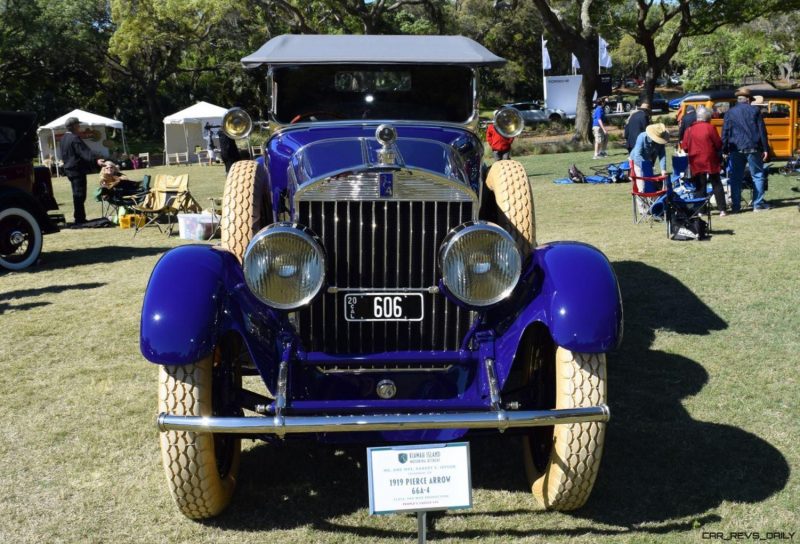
{"x": 703, "y": 391}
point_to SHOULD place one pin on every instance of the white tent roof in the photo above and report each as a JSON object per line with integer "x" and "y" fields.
{"x": 86, "y": 118}
{"x": 198, "y": 113}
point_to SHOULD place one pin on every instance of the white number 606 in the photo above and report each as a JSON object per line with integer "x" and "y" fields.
{"x": 387, "y": 307}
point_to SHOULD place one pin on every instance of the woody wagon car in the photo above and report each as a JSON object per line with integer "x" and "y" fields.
{"x": 379, "y": 280}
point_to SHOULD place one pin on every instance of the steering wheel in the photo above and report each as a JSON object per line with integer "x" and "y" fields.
{"x": 312, "y": 116}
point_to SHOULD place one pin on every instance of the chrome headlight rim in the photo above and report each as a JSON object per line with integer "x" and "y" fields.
{"x": 468, "y": 228}
{"x": 307, "y": 236}
{"x": 508, "y": 122}
{"x": 230, "y": 120}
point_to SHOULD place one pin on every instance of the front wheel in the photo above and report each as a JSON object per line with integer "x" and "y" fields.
{"x": 241, "y": 207}
{"x": 562, "y": 461}
{"x": 514, "y": 203}
{"x": 201, "y": 468}
{"x": 20, "y": 239}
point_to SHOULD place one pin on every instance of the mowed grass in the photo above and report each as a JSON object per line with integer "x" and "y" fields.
{"x": 704, "y": 395}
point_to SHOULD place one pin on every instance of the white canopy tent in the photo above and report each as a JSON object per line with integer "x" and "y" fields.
{"x": 92, "y": 132}
{"x": 183, "y": 131}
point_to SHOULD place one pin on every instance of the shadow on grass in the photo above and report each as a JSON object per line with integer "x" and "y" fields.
{"x": 51, "y": 260}
{"x": 6, "y": 298}
{"x": 660, "y": 466}
{"x": 659, "y": 463}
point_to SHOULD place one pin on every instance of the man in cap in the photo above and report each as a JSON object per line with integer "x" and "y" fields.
{"x": 78, "y": 162}
{"x": 744, "y": 139}
{"x": 636, "y": 124}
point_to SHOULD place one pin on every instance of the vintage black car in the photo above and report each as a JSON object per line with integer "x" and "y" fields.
{"x": 383, "y": 283}
{"x": 26, "y": 193}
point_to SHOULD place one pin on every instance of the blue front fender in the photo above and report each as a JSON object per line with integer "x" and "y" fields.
{"x": 578, "y": 301}
{"x": 183, "y": 305}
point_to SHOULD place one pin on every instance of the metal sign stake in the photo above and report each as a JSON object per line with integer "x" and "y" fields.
{"x": 422, "y": 529}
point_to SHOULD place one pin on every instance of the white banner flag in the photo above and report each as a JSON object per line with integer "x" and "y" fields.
{"x": 604, "y": 57}
{"x": 575, "y": 64}
{"x": 545, "y": 56}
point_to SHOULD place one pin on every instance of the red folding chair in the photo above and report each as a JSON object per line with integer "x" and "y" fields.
{"x": 645, "y": 191}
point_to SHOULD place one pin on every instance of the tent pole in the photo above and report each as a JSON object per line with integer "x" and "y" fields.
{"x": 55, "y": 152}
{"x": 166, "y": 150}
{"x": 124, "y": 143}
{"x": 186, "y": 138}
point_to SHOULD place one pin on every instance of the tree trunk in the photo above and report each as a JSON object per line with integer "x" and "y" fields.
{"x": 586, "y": 92}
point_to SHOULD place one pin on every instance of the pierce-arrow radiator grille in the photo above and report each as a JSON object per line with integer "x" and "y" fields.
{"x": 382, "y": 245}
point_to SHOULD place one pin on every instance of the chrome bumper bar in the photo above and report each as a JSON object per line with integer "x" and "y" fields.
{"x": 282, "y": 425}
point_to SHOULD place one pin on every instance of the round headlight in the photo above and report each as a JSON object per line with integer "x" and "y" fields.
{"x": 284, "y": 266}
{"x": 480, "y": 263}
{"x": 508, "y": 122}
{"x": 237, "y": 124}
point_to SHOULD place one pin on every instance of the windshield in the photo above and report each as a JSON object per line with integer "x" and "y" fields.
{"x": 400, "y": 92}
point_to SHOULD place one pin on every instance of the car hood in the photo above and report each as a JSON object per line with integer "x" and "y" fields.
{"x": 309, "y": 154}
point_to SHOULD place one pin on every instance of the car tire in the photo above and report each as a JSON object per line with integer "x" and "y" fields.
{"x": 627, "y": 106}
{"x": 241, "y": 207}
{"x": 562, "y": 461}
{"x": 514, "y": 202}
{"x": 201, "y": 468}
{"x": 555, "y": 118}
{"x": 20, "y": 239}
{"x": 607, "y": 109}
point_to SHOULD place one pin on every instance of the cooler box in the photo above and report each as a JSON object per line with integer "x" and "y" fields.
{"x": 196, "y": 226}
{"x": 131, "y": 220}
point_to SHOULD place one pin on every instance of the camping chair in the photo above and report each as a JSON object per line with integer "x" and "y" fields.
{"x": 144, "y": 160}
{"x": 216, "y": 215}
{"x": 117, "y": 198}
{"x": 653, "y": 188}
{"x": 617, "y": 172}
{"x": 183, "y": 202}
{"x": 168, "y": 196}
{"x": 684, "y": 203}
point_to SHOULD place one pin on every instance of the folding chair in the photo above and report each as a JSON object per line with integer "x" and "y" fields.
{"x": 684, "y": 203}
{"x": 144, "y": 160}
{"x": 645, "y": 191}
{"x": 166, "y": 196}
{"x": 216, "y": 215}
{"x": 616, "y": 171}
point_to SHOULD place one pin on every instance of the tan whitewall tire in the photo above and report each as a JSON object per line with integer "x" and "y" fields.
{"x": 512, "y": 192}
{"x": 201, "y": 470}
{"x": 562, "y": 479}
{"x": 241, "y": 207}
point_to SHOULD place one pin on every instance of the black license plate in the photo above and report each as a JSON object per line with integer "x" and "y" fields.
{"x": 383, "y": 306}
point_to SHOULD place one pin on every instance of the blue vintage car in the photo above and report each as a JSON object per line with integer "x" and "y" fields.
{"x": 383, "y": 284}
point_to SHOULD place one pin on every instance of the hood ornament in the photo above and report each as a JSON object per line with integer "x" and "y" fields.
{"x": 386, "y": 135}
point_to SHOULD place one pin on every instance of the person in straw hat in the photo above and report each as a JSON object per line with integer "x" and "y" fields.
{"x": 78, "y": 162}
{"x": 744, "y": 139}
{"x": 651, "y": 145}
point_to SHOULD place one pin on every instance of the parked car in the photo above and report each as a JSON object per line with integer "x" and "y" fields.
{"x": 618, "y": 103}
{"x": 675, "y": 103}
{"x": 381, "y": 281}
{"x": 26, "y": 193}
{"x": 533, "y": 113}
{"x": 675, "y": 79}
{"x": 658, "y": 103}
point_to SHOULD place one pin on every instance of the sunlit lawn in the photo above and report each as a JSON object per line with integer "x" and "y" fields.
{"x": 704, "y": 395}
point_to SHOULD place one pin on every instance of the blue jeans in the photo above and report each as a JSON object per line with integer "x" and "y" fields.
{"x": 737, "y": 174}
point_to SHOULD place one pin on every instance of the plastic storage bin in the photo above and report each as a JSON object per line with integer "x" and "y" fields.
{"x": 196, "y": 226}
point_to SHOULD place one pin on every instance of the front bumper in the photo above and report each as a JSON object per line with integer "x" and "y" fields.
{"x": 281, "y": 425}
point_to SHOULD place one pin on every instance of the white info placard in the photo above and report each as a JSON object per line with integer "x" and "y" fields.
{"x": 419, "y": 478}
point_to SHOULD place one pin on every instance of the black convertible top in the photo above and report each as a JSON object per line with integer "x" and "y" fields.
{"x": 17, "y": 137}
{"x": 293, "y": 49}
